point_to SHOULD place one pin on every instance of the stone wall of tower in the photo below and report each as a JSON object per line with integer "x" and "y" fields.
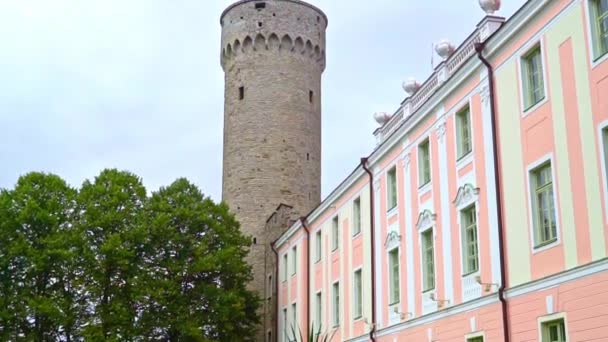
{"x": 273, "y": 56}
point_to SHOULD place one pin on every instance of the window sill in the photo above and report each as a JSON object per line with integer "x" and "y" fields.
{"x": 394, "y": 303}
{"x": 392, "y": 211}
{"x": 530, "y": 109}
{"x": 599, "y": 60}
{"x": 428, "y": 290}
{"x": 468, "y": 274}
{"x": 358, "y": 318}
{"x": 424, "y": 188}
{"x": 545, "y": 246}
{"x": 356, "y": 235}
{"x": 464, "y": 160}
{"x": 317, "y": 261}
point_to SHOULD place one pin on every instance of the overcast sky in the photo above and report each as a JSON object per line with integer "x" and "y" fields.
{"x": 137, "y": 84}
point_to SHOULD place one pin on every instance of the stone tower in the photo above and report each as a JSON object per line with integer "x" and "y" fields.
{"x": 273, "y": 56}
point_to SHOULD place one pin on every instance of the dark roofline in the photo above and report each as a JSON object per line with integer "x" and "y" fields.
{"x": 299, "y": 2}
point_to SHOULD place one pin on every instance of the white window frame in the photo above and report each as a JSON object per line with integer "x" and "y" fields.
{"x": 318, "y": 309}
{"x": 477, "y": 334}
{"x": 358, "y": 232}
{"x": 391, "y": 210}
{"x": 294, "y": 316}
{"x": 541, "y": 321}
{"x": 318, "y": 245}
{"x": 423, "y": 187}
{"x": 390, "y": 271}
{"x": 537, "y": 43}
{"x": 592, "y": 60}
{"x": 285, "y": 268}
{"x": 357, "y": 315}
{"x": 604, "y": 164}
{"x": 462, "y": 208}
{"x": 531, "y": 213}
{"x": 294, "y": 260}
{"x": 335, "y": 233}
{"x": 422, "y": 263}
{"x": 466, "y": 158}
{"x": 335, "y": 307}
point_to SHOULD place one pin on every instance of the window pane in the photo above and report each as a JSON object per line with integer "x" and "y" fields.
{"x": 428, "y": 260}
{"x": 335, "y": 233}
{"x": 358, "y": 295}
{"x": 318, "y": 246}
{"x": 533, "y": 85}
{"x": 394, "y": 276}
{"x": 356, "y": 216}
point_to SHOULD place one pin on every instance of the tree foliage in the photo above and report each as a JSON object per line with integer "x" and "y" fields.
{"x": 108, "y": 263}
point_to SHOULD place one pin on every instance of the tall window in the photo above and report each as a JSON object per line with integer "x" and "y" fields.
{"x": 554, "y": 331}
{"x": 393, "y": 268}
{"x": 358, "y": 309}
{"x": 424, "y": 162}
{"x": 545, "y": 226}
{"x": 318, "y": 311}
{"x": 428, "y": 261}
{"x": 318, "y": 246}
{"x": 391, "y": 183}
{"x": 463, "y": 132}
{"x": 470, "y": 252}
{"x": 335, "y": 233}
{"x": 532, "y": 70}
{"x": 336, "y": 304}
{"x": 294, "y": 317}
{"x": 294, "y": 260}
{"x": 475, "y": 339}
{"x": 285, "y": 266}
{"x": 270, "y": 287}
{"x": 285, "y": 325}
{"x": 599, "y": 25}
{"x": 357, "y": 216}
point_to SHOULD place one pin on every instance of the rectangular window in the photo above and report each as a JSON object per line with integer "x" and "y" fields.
{"x": 358, "y": 309}
{"x": 318, "y": 246}
{"x": 318, "y": 310}
{"x": 532, "y": 76}
{"x": 285, "y": 266}
{"x": 424, "y": 162}
{"x": 463, "y": 132}
{"x": 475, "y": 339}
{"x": 554, "y": 331}
{"x": 270, "y": 287}
{"x": 294, "y": 260}
{"x": 294, "y": 317}
{"x": 335, "y": 233}
{"x": 470, "y": 252}
{"x": 428, "y": 261}
{"x": 545, "y": 225}
{"x": 599, "y": 27}
{"x": 241, "y": 93}
{"x": 336, "y": 304}
{"x": 285, "y": 325}
{"x": 311, "y": 95}
{"x": 391, "y": 182}
{"x": 357, "y": 216}
{"x": 393, "y": 268}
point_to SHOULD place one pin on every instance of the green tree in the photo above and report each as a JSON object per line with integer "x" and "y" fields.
{"x": 195, "y": 270}
{"x": 110, "y": 219}
{"x": 37, "y": 253}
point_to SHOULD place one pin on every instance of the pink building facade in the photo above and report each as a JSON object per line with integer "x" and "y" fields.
{"x": 482, "y": 213}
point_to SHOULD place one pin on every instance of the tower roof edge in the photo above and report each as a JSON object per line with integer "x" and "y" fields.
{"x": 299, "y": 2}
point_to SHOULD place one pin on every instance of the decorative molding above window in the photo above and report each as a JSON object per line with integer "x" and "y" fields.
{"x": 392, "y": 239}
{"x": 466, "y": 194}
{"x": 426, "y": 219}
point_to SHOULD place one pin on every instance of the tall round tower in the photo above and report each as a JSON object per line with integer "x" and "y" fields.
{"x": 273, "y": 55}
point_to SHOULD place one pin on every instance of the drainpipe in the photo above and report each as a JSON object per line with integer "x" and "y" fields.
{"x": 479, "y": 47}
{"x": 372, "y": 231}
{"x": 276, "y": 290}
{"x": 304, "y": 222}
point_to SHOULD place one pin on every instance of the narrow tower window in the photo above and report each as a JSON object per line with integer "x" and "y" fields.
{"x": 260, "y": 5}
{"x": 311, "y": 95}
{"x": 307, "y": 156}
{"x": 241, "y": 93}
{"x": 260, "y": 24}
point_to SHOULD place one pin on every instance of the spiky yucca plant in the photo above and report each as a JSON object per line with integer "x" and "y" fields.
{"x": 313, "y": 336}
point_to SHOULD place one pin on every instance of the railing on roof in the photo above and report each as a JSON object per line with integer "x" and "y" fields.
{"x": 441, "y": 73}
